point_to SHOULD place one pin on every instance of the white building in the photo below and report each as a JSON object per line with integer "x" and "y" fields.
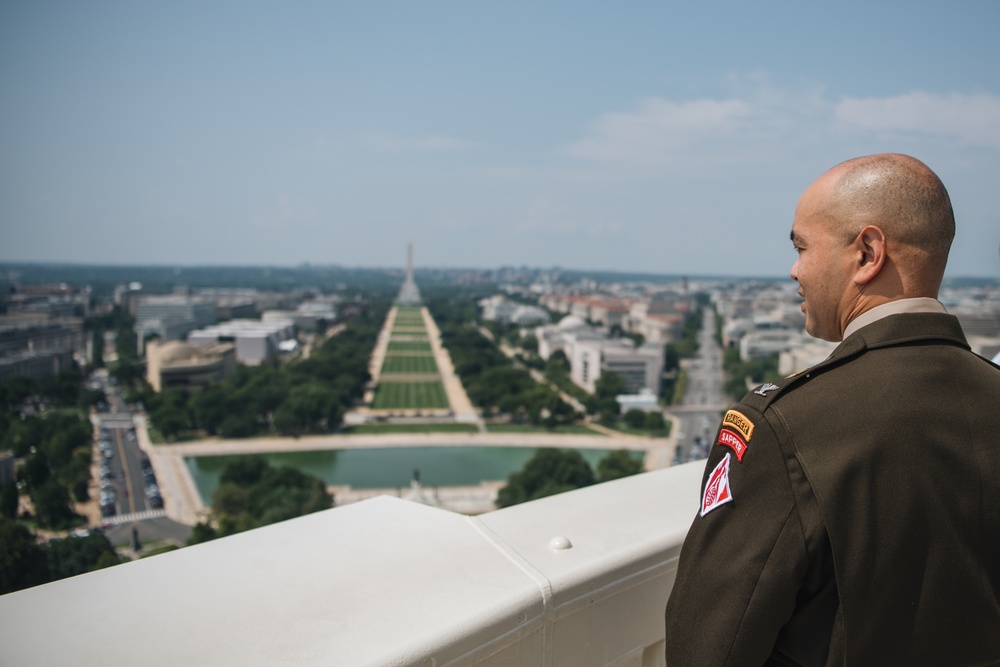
{"x": 645, "y": 400}
{"x": 255, "y": 340}
{"x": 659, "y": 320}
{"x": 803, "y": 356}
{"x": 591, "y": 353}
{"x": 763, "y": 343}
{"x": 309, "y": 316}
{"x": 501, "y": 309}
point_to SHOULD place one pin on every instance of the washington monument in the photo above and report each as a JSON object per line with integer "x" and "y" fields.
{"x": 409, "y": 294}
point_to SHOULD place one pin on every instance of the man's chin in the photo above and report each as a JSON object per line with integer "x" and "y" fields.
{"x": 814, "y": 330}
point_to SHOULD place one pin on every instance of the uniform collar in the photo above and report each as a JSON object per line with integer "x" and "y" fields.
{"x": 914, "y": 305}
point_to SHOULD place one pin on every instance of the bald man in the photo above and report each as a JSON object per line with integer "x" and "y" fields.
{"x": 850, "y": 515}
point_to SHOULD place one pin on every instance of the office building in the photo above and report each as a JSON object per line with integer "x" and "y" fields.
{"x": 255, "y": 340}
{"x": 178, "y": 365}
{"x": 172, "y": 317}
{"x": 592, "y": 353}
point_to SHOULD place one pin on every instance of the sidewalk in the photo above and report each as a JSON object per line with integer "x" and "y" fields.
{"x": 461, "y": 406}
{"x": 181, "y": 499}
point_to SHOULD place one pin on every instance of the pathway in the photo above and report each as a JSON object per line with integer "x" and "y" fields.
{"x": 461, "y": 406}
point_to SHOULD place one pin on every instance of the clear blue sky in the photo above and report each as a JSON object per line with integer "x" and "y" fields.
{"x": 649, "y": 136}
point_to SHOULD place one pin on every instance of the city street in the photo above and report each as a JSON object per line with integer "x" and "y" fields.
{"x": 700, "y": 411}
{"x": 131, "y": 478}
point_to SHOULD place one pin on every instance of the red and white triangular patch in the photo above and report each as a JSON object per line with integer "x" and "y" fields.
{"x": 717, "y": 491}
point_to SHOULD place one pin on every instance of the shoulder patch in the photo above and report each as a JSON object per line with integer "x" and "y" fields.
{"x": 732, "y": 440}
{"x": 717, "y": 491}
{"x": 740, "y": 423}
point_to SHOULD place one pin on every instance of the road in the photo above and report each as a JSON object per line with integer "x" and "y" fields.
{"x": 133, "y": 509}
{"x": 704, "y": 401}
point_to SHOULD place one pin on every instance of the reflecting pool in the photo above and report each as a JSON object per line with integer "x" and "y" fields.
{"x": 390, "y": 467}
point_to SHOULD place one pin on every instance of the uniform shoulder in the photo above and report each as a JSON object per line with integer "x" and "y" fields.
{"x": 761, "y": 396}
{"x": 764, "y": 395}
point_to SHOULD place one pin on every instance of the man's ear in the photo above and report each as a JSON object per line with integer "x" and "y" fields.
{"x": 870, "y": 246}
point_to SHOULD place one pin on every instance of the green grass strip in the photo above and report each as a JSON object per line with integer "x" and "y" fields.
{"x": 409, "y": 395}
{"x": 412, "y": 364}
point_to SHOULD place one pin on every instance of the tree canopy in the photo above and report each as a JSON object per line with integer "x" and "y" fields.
{"x": 552, "y": 471}
{"x": 23, "y": 563}
{"x": 253, "y": 493}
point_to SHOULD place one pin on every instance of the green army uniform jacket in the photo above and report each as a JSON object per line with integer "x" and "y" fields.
{"x": 851, "y": 514}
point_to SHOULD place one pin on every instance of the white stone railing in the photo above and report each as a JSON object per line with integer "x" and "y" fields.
{"x": 574, "y": 580}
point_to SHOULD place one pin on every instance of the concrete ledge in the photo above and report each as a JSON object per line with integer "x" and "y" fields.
{"x": 387, "y": 582}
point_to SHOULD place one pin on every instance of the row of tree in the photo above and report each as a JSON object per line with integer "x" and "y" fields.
{"x": 492, "y": 382}
{"x": 496, "y": 386}
{"x": 45, "y": 425}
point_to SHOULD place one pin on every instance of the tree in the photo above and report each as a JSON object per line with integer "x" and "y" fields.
{"x": 635, "y": 418}
{"x": 760, "y": 370}
{"x": 253, "y": 493}
{"x": 244, "y": 471}
{"x": 91, "y": 397}
{"x": 617, "y": 464}
{"x": 35, "y": 472}
{"x": 671, "y": 358}
{"x": 609, "y": 385}
{"x": 169, "y": 411}
{"x": 76, "y": 555}
{"x": 22, "y": 562}
{"x": 242, "y": 425}
{"x": 9, "y": 499}
{"x": 18, "y": 390}
{"x": 557, "y": 360}
{"x": 52, "y": 506}
{"x": 548, "y": 472}
{"x": 202, "y": 532}
{"x": 636, "y": 338}
{"x": 655, "y": 421}
{"x": 308, "y": 407}
{"x": 211, "y": 406}
{"x": 97, "y": 348}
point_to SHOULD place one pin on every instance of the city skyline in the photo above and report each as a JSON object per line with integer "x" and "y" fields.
{"x": 666, "y": 140}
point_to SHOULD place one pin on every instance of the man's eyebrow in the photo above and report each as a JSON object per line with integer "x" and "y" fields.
{"x": 795, "y": 238}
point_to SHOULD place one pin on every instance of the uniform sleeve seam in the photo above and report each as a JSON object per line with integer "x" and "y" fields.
{"x": 791, "y": 490}
{"x": 753, "y": 593}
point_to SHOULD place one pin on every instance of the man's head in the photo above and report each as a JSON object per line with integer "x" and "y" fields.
{"x": 871, "y": 230}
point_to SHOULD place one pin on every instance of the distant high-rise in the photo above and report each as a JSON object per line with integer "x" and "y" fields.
{"x": 408, "y": 293}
